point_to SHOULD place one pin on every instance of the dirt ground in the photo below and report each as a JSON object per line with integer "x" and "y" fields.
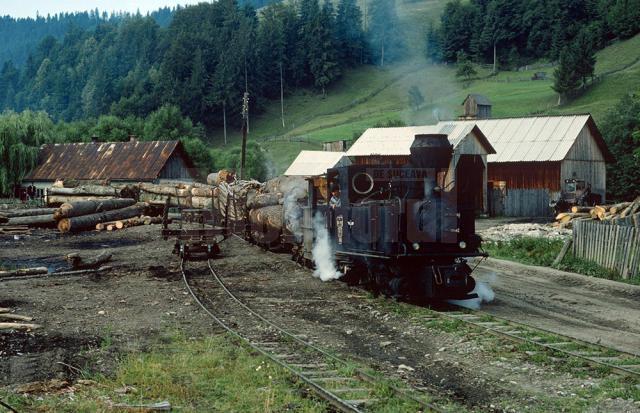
{"x": 90, "y": 321}
{"x": 588, "y": 308}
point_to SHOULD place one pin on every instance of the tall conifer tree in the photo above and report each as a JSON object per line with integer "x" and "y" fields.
{"x": 349, "y": 33}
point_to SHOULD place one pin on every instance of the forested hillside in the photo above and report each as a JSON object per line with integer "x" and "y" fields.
{"x": 518, "y": 32}
{"x": 20, "y": 36}
{"x": 319, "y": 71}
{"x": 202, "y": 62}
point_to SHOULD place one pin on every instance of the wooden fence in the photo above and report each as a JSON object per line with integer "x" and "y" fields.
{"x": 519, "y": 203}
{"x": 615, "y": 247}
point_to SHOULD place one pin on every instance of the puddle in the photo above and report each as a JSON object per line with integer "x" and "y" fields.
{"x": 53, "y": 263}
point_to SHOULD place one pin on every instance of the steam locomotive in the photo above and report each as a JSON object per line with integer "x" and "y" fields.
{"x": 403, "y": 228}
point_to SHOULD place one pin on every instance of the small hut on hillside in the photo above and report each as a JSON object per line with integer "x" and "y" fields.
{"x": 476, "y": 107}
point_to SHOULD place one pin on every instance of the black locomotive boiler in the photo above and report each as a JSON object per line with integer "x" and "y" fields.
{"x": 404, "y": 228}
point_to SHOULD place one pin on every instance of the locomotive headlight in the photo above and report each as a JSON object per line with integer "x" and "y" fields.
{"x": 416, "y": 246}
{"x": 462, "y": 244}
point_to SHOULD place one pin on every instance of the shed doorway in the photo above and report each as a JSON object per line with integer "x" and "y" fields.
{"x": 470, "y": 172}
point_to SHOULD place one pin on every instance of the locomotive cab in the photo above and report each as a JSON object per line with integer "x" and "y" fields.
{"x": 403, "y": 222}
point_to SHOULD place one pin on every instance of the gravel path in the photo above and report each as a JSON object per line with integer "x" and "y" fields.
{"x": 588, "y": 308}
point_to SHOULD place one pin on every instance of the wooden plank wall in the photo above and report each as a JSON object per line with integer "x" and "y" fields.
{"x": 615, "y": 247}
{"x": 520, "y": 203}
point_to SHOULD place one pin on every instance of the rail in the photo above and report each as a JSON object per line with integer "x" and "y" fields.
{"x": 305, "y": 360}
{"x": 594, "y": 354}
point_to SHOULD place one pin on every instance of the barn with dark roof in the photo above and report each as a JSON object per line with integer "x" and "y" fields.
{"x": 132, "y": 161}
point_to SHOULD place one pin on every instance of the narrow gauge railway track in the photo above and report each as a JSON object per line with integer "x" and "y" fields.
{"x": 333, "y": 379}
{"x": 546, "y": 341}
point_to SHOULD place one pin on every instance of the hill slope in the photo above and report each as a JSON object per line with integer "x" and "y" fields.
{"x": 369, "y": 95}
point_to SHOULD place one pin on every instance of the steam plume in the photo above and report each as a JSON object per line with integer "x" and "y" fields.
{"x": 485, "y": 295}
{"x": 293, "y": 211}
{"x": 323, "y": 252}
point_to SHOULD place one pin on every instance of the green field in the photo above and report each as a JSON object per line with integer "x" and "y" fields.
{"x": 369, "y": 95}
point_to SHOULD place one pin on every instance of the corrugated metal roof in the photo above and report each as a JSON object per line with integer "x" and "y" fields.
{"x": 313, "y": 163}
{"x": 93, "y": 161}
{"x": 533, "y": 139}
{"x": 397, "y": 141}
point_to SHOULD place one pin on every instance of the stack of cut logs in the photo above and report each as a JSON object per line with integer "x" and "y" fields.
{"x": 105, "y": 214}
{"x": 191, "y": 195}
{"x": 612, "y": 213}
{"x": 18, "y": 221}
{"x": 273, "y": 205}
{"x": 59, "y": 194}
{"x": 12, "y": 321}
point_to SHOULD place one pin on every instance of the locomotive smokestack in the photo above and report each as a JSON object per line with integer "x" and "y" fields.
{"x": 431, "y": 151}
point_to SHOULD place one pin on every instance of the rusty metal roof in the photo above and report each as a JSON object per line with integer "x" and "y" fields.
{"x": 535, "y": 138}
{"x": 131, "y": 161}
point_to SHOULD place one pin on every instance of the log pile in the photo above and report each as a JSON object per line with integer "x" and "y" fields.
{"x": 181, "y": 195}
{"x": 16, "y": 221}
{"x": 58, "y": 195}
{"x": 612, "y": 213}
{"x": 12, "y": 321}
{"x": 89, "y": 221}
{"x": 270, "y": 208}
{"x": 128, "y": 223}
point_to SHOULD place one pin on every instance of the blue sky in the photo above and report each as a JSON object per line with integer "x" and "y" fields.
{"x": 29, "y": 8}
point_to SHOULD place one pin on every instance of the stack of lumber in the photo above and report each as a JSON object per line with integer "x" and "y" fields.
{"x": 60, "y": 195}
{"x": 28, "y": 217}
{"x": 613, "y": 213}
{"x": 184, "y": 195}
{"x": 127, "y": 223}
{"x": 11, "y": 321}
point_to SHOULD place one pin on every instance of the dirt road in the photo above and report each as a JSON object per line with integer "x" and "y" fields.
{"x": 587, "y": 308}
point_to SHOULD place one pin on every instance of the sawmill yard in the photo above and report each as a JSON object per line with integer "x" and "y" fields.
{"x": 131, "y": 335}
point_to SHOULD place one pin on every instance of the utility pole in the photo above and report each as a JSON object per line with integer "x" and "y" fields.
{"x": 281, "y": 96}
{"x": 224, "y": 120}
{"x": 245, "y": 123}
{"x": 494, "y": 58}
{"x": 246, "y": 89}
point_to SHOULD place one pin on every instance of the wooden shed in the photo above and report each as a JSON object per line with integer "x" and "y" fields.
{"x": 468, "y": 167}
{"x": 131, "y": 161}
{"x": 476, "y": 107}
{"x": 535, "y": 155}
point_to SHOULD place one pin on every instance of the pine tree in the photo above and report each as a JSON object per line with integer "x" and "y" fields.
{"x": 322, "y": 56}
{"x": 309, "y": 14}
{"x": 384, "y": 31}
{"x": 271, "y": 48}
{"x": 567, "y": 79}
{"x": 349, "y": 33}
{"x": 465, "y": 68}
{"x": 433, "y": 46}
{"x": 585, "y": 58}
